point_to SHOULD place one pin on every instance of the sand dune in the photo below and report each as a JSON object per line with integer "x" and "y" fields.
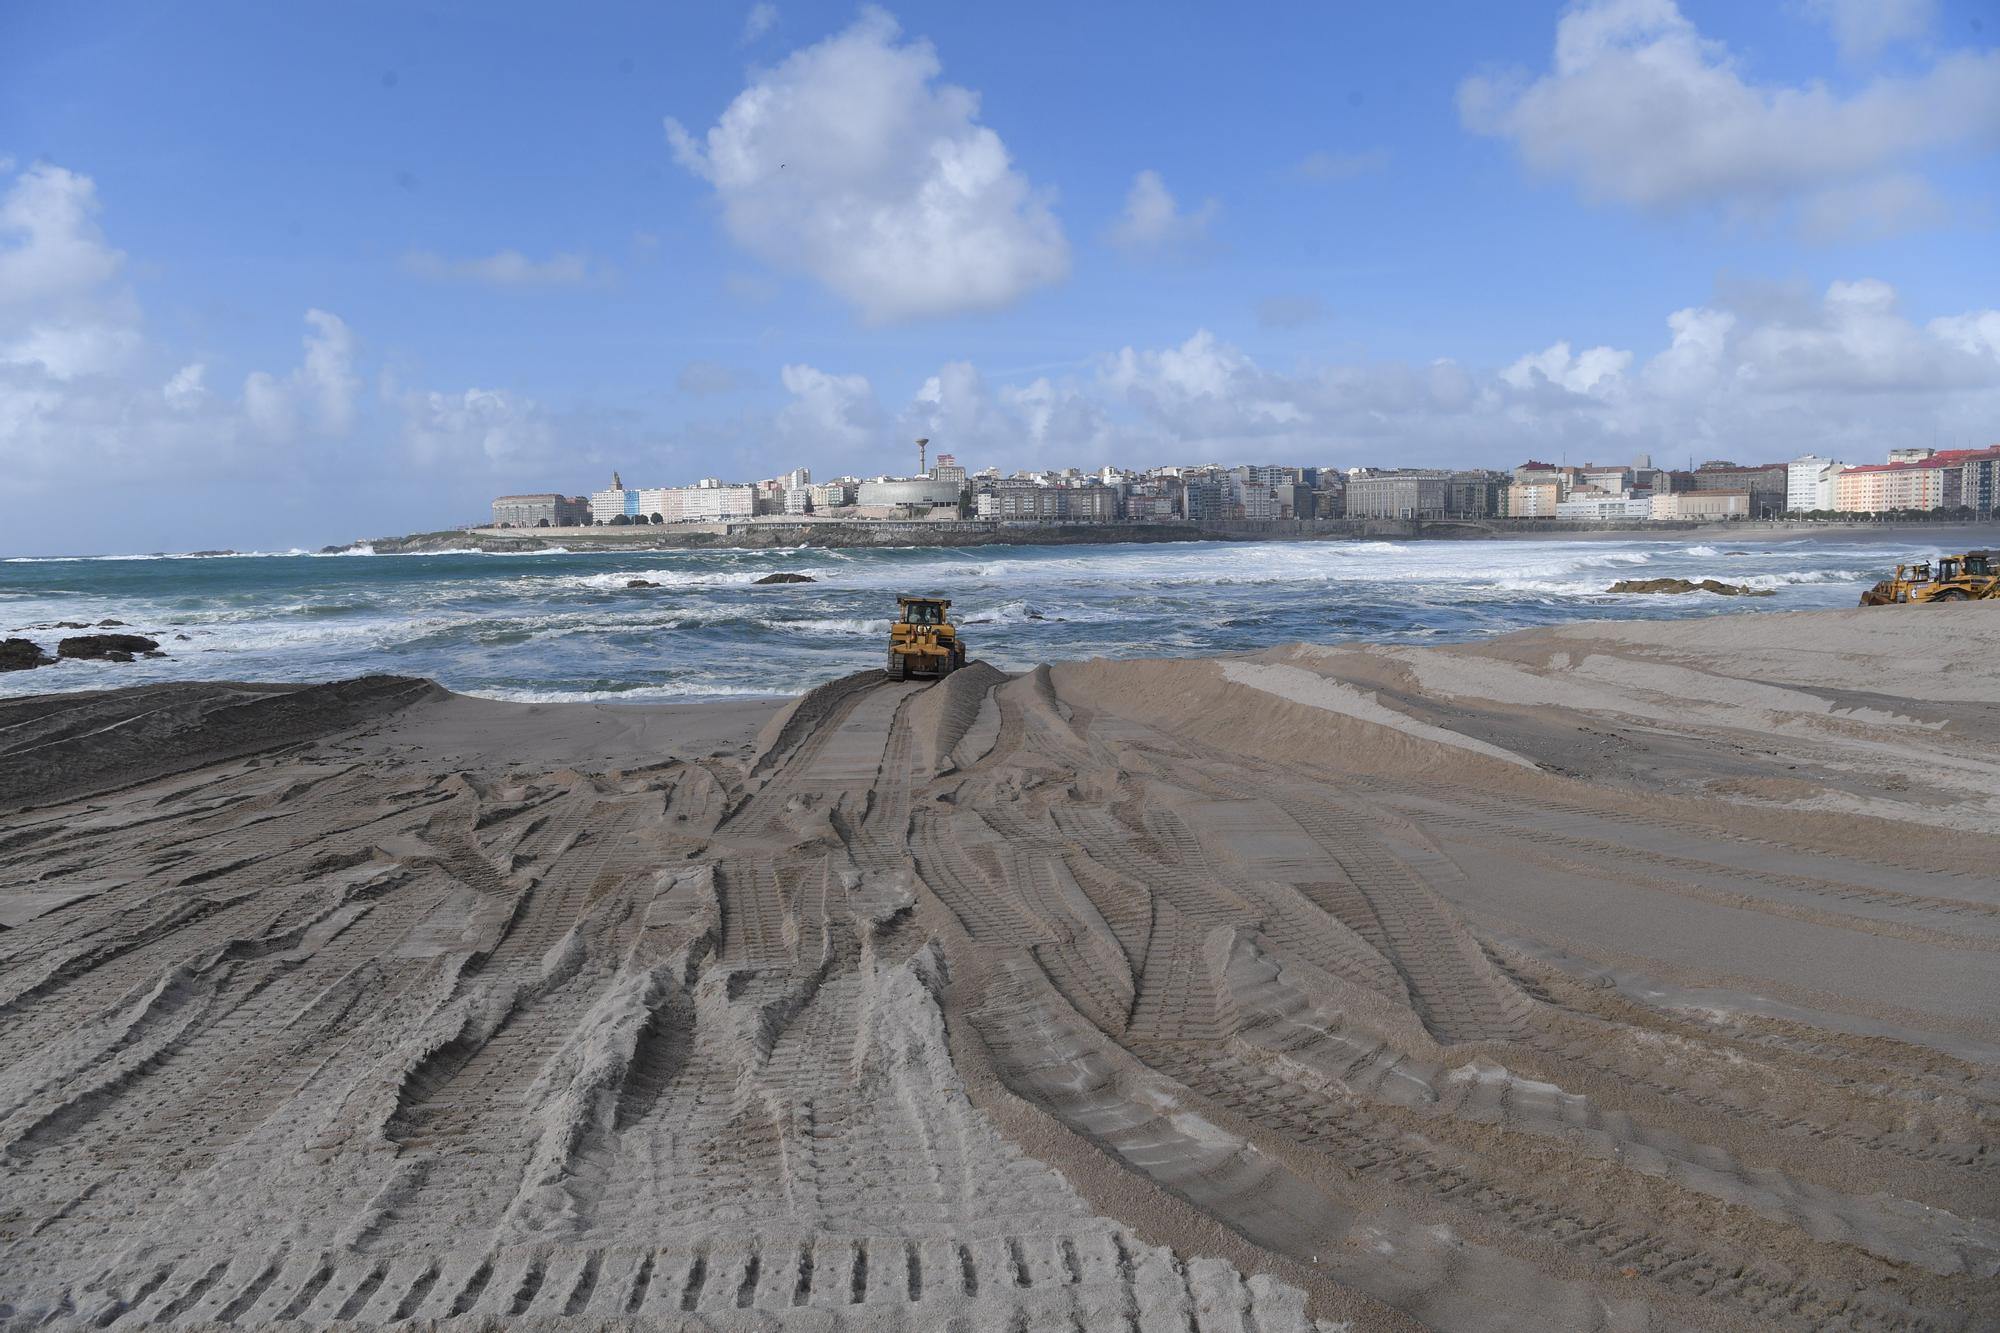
{"x": 1622, "y": 976}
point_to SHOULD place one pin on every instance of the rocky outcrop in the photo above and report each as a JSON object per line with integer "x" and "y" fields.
{"x": 22, "y": 655}
{"x": 106, "y": 647}
{"x": 640, "y": 583}
{"x": 1688, "y": 585}
{"x": 786, "y": 578}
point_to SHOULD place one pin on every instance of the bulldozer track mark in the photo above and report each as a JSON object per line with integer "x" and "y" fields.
{"x": 863, "y": 1029}
{"x": 1375, "y": 1149}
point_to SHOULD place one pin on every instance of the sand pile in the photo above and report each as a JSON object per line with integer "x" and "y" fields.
{"x": 1620, "y": 976}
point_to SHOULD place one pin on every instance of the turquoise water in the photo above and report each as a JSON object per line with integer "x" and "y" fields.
{"x": 558, "y": 626}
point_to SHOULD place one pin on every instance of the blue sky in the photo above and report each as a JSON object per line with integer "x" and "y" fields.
{"x": 277, "y": 275}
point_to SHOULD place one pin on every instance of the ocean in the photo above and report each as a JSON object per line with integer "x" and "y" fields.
{"x": 557, "y": 626}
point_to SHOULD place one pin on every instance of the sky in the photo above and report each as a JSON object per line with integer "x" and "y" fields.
{"x": 286, "y": 275}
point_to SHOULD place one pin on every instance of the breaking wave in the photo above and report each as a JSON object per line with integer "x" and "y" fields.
{"x": 552, "y": 626}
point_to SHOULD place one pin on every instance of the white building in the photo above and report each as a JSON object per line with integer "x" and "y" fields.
{"x": 1810, "y": 483}
{"x": 708, "y": 502}
{"x": 1581, "y": 505}
{"x": 612, "y": 501}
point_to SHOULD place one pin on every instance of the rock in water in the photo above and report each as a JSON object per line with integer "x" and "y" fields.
{"x": 106, "y": 647}
{"x": 640, "y": 583}
{"x": 21, "y": 655}
{"x": 787, "y": 578}
{"x": 1688, "y": 585}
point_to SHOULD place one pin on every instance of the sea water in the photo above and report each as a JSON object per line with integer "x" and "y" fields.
{"x": 557, "y": 626}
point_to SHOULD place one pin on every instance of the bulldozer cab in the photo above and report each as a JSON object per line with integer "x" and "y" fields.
{"x": 923, "y": 610}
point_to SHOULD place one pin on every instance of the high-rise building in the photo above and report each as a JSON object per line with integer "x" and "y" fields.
{"x": 1807, "y": 483}
{"x": 946, "y": 471}
{"x": 614, "y": 501}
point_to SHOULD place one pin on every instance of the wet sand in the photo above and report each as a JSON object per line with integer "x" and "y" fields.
{"x": 1621, "y": 975}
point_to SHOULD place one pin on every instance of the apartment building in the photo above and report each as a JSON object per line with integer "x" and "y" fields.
{"x": 1534, "y": 499}
{"x": 1811, "y": 483}
{"x": 708, "y": 501}
{"x": 1406, "y": 494}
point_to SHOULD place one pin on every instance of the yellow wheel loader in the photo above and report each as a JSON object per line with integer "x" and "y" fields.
{"x": 1973, "y": 576}
{"x": 922, "y": 641}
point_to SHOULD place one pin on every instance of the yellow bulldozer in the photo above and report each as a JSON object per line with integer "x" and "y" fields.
{"x": 922, "y": 641}
{"x": 1972, "y": 576}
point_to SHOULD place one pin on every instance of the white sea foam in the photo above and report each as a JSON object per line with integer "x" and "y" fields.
{"x": 673, "y": 692}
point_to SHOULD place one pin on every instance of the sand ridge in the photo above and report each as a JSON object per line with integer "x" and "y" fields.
{"x": 1589, "y": 978}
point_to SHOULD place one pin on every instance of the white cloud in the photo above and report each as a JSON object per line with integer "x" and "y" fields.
{"x": 84, "y": 393}
{"x": 760, "y": 20}
{"x": 1845, "y": 373}
{"x": 1592, "y": 370}
{"x": 62, "y": 307}
{"x": 850, "y": 163}
{"x": 186, "y": 391}
{"x": 1641, "y": 109}
{"x": 1327, "y": 166}
{"x": 321, "y": 391}
{"x": 1864, "y": 27}
{"x": 491, "y": 428}
{"x": 1153, "y": 222}
{"x": 51, "y": 250}
{"x": 507, "y": 268}
{"x": 838, "y": 413}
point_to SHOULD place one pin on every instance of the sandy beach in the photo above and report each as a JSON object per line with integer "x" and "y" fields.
{"x": 1618, "y": 975}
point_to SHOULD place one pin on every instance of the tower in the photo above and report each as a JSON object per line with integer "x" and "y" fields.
{"x": 923, "y": 468}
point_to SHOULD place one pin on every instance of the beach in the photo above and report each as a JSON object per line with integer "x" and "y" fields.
{"x": 1613, "y": 974}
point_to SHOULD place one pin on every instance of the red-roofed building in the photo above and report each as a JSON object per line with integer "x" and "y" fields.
{"x": 1946, "y": 480}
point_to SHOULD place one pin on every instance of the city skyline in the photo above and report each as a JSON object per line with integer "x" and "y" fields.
{"x": 245, "y": 304}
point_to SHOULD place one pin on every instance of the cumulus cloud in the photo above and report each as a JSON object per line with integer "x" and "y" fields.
{"x": 1582, "y": 372}
{"x": 1153, "y": 222}
{"x": 320, "y": 392}
{"x": 51, "y": 249}
{"x": 851, "y": 163}
{"x": 1846, "y": 372}
{"x": 506, "y": 269}
{"x": 1639, "y": 108}
{"x": 63, "y": 308}
{"x": 85, "y": 393}
{"x": 501, "y": 431}
{"x": 839, "y": 413}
